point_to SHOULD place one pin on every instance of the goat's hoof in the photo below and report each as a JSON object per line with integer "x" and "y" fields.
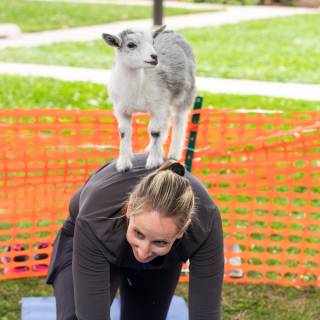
{"x": 147, "y": 149}
{"x": 153, "y": 162}
{"x": 124, "y": 164}
{"x": 174, "y": 155}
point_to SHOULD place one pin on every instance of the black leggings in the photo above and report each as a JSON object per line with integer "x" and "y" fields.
{"x": 144, "y": 295}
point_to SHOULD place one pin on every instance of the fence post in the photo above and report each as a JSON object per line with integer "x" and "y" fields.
{"x": 193, "y": 133}
{"x": 157, "y": 12}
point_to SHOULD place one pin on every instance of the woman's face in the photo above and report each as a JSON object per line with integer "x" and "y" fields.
{"x": 151, "y": 235}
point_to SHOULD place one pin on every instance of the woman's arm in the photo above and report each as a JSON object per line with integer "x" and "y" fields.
{"x": 206, "y": 275}
{"x": 91, "y": 272}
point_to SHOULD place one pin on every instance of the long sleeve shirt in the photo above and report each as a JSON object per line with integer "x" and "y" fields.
{"x": 94, "y": 237}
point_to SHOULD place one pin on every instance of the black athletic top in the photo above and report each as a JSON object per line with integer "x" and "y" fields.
{"x": 93, "y": 237}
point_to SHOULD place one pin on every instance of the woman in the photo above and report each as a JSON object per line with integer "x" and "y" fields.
{"x": 133, "y": 230}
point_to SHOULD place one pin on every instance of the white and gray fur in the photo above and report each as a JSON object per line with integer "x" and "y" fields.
{"x": 154, "y": 71}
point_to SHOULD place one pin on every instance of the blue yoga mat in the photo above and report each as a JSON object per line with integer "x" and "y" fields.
{"x": 40, "y": 308}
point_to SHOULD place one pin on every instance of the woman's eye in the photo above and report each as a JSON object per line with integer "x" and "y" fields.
{"x": 161, "y": 244}
{"x": 131, "y": 45}
{"x": 138, "y": 234}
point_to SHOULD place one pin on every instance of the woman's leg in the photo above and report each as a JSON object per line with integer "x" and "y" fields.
{"x": 147, "y": 294}
{"x": 63, "y": 291}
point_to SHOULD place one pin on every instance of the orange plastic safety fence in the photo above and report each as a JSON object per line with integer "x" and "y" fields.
{"x": 262, "y": 170}
{"x": 264, "y": 173}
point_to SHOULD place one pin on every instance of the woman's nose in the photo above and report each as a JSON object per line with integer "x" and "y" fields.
{"x": 144, "y": 251}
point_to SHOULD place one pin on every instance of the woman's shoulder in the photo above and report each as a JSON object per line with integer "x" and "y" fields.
{"x": 107, "y": 189}
{"x": 109, "y": 172}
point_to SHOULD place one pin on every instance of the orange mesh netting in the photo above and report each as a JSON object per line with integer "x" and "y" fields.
{"x": 263, "y": 171}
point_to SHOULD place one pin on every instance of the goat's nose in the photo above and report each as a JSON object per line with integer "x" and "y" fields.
{"x": 154, "y": 57}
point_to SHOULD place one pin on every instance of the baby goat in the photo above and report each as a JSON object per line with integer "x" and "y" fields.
{"x": 154, "y": 71}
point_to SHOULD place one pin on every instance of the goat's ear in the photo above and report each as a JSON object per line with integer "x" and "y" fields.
{"x": 156, "y": 32}
{"x": 112, "y": 40}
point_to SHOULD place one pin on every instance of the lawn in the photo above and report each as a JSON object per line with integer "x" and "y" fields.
{"x": 36, "y": 92}
{"x": 239, "y": 302}
{"x": 39, "y": 16}
{"x": 281, "y": 49}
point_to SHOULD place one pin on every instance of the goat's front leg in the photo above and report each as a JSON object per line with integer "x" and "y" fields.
{"x": 164, "y": 133}
{"x": 125, "y": 153}
{"x": 180, "y": 122}
{"x": 157, "y": 131}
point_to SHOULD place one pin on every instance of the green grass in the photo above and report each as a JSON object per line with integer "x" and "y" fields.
{"x": 36, "y": 92}
{"x": 12, "y": 291}
{"x": 282, "y": 49}
{"x": 239, "y": 302}
{"x": 29, "y": 92}
{"x": 38, "y": 16}
{"x": 259, "y": 302}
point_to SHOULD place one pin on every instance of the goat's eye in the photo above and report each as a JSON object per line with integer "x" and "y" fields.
{"x": 131, "y": 45}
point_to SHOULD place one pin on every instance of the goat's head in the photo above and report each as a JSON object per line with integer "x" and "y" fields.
{"x": 135, "y": 48}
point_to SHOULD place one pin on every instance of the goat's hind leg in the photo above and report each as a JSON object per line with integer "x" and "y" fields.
{"x": 164, "y": 134}
{"x": 180, "y": 123}
{"x": 158, "y": 127}
{"x": 125, "y": 131}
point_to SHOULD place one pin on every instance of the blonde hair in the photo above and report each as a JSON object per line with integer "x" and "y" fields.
{"x": 165, "y": 191}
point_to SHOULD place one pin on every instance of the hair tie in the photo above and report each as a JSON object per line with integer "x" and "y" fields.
{"x": 177, "y": 168}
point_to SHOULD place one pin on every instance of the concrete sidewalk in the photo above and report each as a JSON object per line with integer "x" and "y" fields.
{"x": 231, "y": 15}
{"x": 167, "y": 3}
{"x": 309, "y": 92}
